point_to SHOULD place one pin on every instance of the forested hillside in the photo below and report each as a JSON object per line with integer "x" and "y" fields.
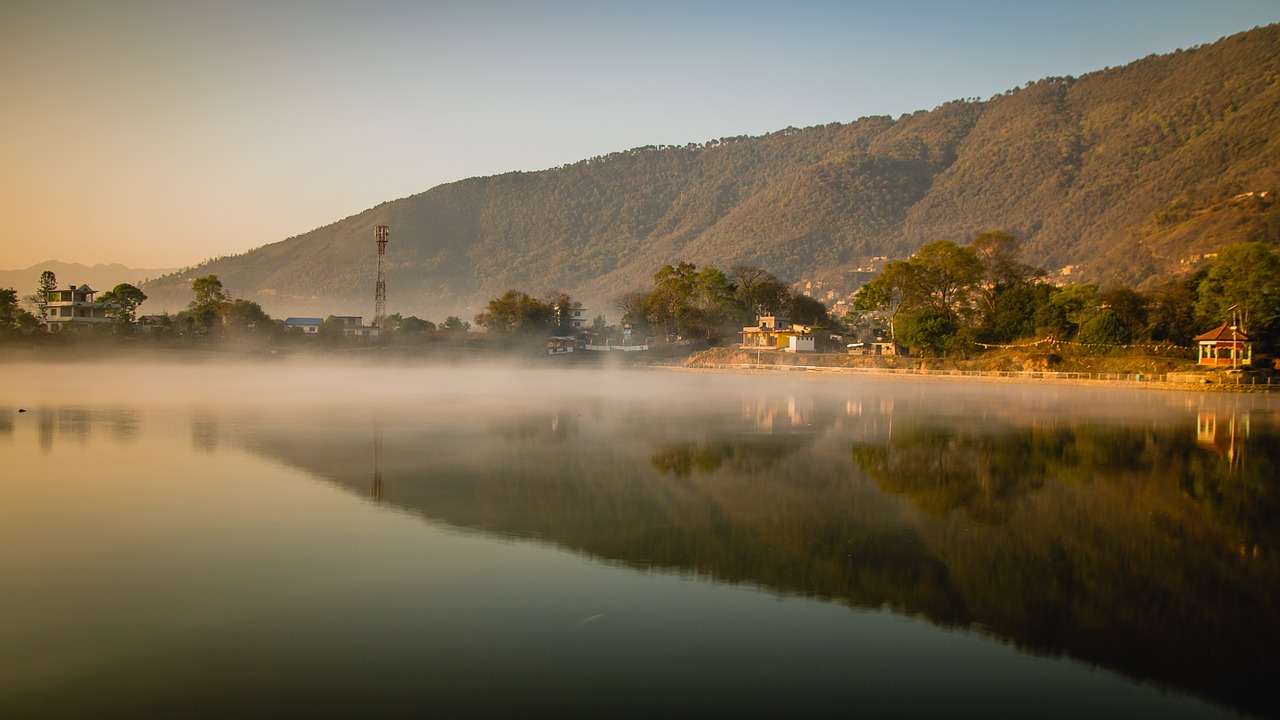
{"x": 1128, "y": 174}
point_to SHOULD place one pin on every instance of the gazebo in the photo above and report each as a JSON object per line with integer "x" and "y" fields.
{"x": 1225, "y": 345}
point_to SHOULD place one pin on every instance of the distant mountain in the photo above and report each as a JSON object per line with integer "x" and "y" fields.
{"x": 99, "y": 277}
{"x": 1121, "y": 175}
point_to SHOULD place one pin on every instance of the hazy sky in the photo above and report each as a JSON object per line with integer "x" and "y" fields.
{"x": 164, "y": 132}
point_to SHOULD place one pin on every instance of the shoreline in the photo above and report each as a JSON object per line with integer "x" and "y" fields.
{"x": 1188, "y": 381}
{"x": 1029, "y": 377}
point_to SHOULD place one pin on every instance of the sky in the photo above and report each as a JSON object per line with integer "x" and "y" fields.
{"x": 162, "y": 133}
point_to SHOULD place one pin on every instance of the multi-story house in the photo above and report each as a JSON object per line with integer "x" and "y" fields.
{"x": 75, "y": 308}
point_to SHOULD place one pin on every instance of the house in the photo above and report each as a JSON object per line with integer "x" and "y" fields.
{"x": 353, "y": 326}
{"x": 1225, "y": 345}
{"x": 878, "y": 347}
{"x": 154, "y": 324}
{"x": 309, "y": 326}
{"x": 578, "y": 318}
{"x": 75, "y": 308}
{"x": 774, "y": 333}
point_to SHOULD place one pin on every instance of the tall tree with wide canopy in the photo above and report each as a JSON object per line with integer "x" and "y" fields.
{"x": 945, "y": 277}
{"x": 517, "y": 312}
{"x": 1243, "y": 280}
{"x": 211, "y": 300}
{"x": 887, "y": 294}
{"x": 127, "y": 298}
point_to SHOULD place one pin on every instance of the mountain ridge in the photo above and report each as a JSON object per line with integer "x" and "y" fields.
{"x": 1076, "y": 167}
{"x": 101, "y": 276}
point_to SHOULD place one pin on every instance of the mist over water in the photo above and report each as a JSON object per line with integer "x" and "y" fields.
{"x": 484, "y": 540}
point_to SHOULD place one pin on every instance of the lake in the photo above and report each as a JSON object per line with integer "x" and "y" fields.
{"x": 201, "y": 539}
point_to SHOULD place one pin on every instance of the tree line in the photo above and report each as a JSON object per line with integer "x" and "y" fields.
{"x": 30, "y": 313}
{"x": 948, "y": 298}
{"x": 213, "y": 313}
{"x": 687, "y": 302}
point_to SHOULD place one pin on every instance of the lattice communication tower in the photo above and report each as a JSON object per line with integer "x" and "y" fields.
{"x": 380, "y": 234}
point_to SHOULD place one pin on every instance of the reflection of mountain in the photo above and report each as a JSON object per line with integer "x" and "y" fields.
{"x": 1126, "y": 545}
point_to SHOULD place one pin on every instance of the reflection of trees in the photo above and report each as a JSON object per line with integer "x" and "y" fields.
{"x": 204, "y": 433}
{"x": 941, "y": 472}
{"x": 1117, "y": 544}
{"x": 553, "y": 427}
{"x": 69, "y": 422}
{"x": 743, "y": 456}
{"x": 1133, "y": 546}
{"x": 122, "y": 423}
{"x": 985, "y": 474}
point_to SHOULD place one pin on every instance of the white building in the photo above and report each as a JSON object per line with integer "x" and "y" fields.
{"x": 353, "y": 326}
{"x": 75, "y": 308}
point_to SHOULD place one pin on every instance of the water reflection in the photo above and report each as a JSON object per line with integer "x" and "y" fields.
{"x": 1140, "y": 534}
{"x": 1145, "y": 545}
{"x": 205, "y": 432}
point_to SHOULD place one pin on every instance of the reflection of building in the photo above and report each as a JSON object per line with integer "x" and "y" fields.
{"x": 777, "y": 333}
{"x": 1225, "y": 345}
{"x": 1226, "y": 436}
{"x": 75, "y": 308}
{"x": 771, "y": 416}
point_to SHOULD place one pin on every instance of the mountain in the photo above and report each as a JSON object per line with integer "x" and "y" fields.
{"x": 99, "y": 277}
{"x": 1126, "y": 175}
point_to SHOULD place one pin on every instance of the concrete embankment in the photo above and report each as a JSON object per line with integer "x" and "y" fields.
{"x": 730, "y": 359}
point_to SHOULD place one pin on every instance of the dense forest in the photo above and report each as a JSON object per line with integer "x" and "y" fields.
{"x": 1125, "y": 175}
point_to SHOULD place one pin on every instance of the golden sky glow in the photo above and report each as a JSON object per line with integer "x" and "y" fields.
{"x": 161, "y": 134}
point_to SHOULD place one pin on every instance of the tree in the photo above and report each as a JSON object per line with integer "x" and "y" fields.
{"x": 673, "y": 289}
{"x": 454, "y": 324}
{"x": 887, "y": 293}
{"x": 1243, "y": 280}
{"x": 998, "y": 255}
{"x": 211, "y": 298}
{"x": 516, "y": 312}
{"x": 562, "y": 307}
{"x": 12, "y": 316}
{"x": 1018, "y": 313}
{"x": 945, "y": 277}
{"x": 241, "y": 314}
{"x": 928, "y": 330}
{"x": 413, "y": 325}
{"x": 127, "y": 298}
{"x": 331, "y": 328}
{"x": 8, "y": 307}
{"x": 44, "y": 289}
{"x": 758, "y": 291}
{"x": 1077, "y": 303}
{"x": 632, "y": 306}
{"x": 1104, "y": 327}
{"x": 1129, "y": 305}
{"x": 808, "y": 311}
{"x": 1172, "y": 311}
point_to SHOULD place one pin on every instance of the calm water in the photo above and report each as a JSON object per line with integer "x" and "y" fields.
{"x": 207, "y": 540}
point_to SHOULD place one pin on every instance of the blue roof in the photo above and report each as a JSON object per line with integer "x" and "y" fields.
{"x": 303, "y": 321}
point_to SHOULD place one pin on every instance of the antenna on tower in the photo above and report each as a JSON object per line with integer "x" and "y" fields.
{"x": 380, "y": 234}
